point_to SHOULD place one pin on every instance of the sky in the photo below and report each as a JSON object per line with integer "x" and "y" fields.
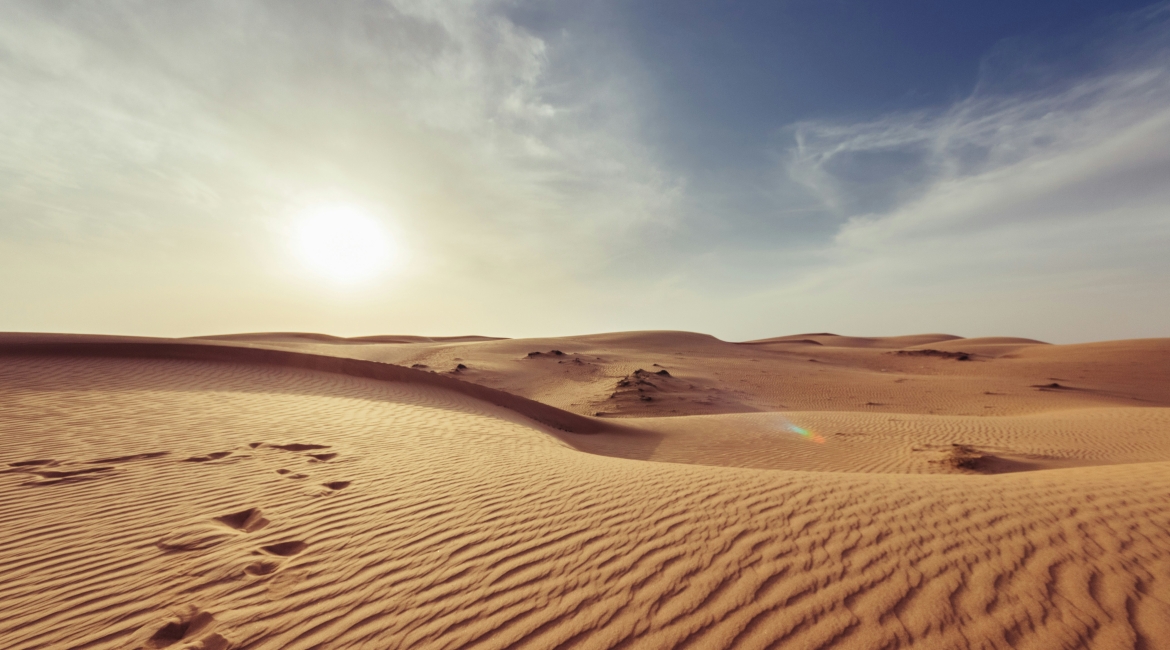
{"x": 522, "y": 169}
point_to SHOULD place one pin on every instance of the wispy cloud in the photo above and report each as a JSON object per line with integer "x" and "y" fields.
{"x": 144, "y": 116}
{"x": 1031, "y": 204}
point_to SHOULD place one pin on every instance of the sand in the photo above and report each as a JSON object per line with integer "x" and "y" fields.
{"x": 302, "y": 491}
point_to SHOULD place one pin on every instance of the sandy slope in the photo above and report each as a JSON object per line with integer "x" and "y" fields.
{"x": 807, "y": 372}
{"x": 245, "y": 497}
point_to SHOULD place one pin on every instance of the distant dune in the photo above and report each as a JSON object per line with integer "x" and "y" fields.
{"x": 303, "y": 337}
{"x": 626, "y": 490}
{"x": 833, "y": 340}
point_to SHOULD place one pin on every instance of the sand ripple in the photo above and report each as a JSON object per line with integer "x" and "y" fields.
{"x": 161, "y": 503}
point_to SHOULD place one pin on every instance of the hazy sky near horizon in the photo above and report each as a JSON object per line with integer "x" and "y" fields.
{"x": 745, "y": 169}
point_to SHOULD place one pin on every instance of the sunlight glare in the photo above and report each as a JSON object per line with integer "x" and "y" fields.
{"x": 342, "y": 243}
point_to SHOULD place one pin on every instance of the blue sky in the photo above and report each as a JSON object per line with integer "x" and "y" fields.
{"x": 723, "y": 73}
{"x": 747, "y": 169}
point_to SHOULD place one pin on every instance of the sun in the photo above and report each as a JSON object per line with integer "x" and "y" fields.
{"x": 342, "y": 243}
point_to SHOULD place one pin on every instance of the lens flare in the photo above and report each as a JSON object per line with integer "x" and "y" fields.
{"x": 805, "y": 433}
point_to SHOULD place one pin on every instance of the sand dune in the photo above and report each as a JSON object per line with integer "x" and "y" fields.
{"x": 309, "y": 337}
{"x": 277, "y": 491}
{"x": 124, "y": 347}
{"x": 837, "y": 341}
{"x": 709, "y": 376}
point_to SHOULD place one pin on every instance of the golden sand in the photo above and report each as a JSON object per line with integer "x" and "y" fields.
{"x": 291, "y": 491}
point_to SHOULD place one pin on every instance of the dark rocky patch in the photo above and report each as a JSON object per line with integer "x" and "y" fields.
{"x": 957, "y": 356}
{"x": 66, "y": 474}
{"x": 299, "y": 446}
{"x": 215, "y": 455}
{"x": 126, "y": 459}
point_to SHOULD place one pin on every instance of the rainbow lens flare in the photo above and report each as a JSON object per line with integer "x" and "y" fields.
{"x": 805, "y": 433}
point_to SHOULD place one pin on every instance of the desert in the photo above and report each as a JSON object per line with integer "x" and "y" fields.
{"x": 604, "y": 325}
{"x": 303, "y": 491}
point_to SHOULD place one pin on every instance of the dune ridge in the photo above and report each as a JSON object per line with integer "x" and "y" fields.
{"x": 47, "y": 345}
{"x": 298, "y": 337}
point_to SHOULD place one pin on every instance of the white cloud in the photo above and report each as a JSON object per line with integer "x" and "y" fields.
{"x": 1003, "y": 211}
{"x": 138, "y": 116}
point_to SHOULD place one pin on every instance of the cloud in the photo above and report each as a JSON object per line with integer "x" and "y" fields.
{"x": 169, "y": 120}
{"x": 1030, "y": 205}
{"x": 152, "y": 154}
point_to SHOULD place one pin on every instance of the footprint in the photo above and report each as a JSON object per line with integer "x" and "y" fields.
{"x": 245, "y": 521}
{"x": 212, "y": 456}
{"x": 285, "y": 583}
{"x": 194, "y": 536}
{"x": 337, "y": 485}
{"x": 55, "y": 477}
{"x": 285, "y": 549}
{"x": 192, "y": 627}
{"x": 296, "y": 446}
{"x": 203, "y": 534}
{"x": 262, "y": 567}
{"x": 323, "y": 457}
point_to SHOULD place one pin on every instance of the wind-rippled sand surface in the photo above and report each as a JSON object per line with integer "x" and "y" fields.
{"x": 187, "y": 503}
